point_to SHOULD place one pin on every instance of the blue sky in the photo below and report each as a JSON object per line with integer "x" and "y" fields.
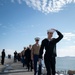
{"x": 23, "y": 20}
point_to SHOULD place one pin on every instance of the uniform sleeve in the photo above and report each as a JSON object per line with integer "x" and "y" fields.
{"x": 32, "y": 52}
{"x": 25, "y": 53}
{"x": 60, "y": 36}
{"x": 4, "y": 54}
{"x": 41, "y": 50}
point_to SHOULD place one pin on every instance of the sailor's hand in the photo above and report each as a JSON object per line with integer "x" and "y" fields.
{"x": 31, "y": 58}
{"x": 39, "y": 61}
{"x": 53, "y": 29}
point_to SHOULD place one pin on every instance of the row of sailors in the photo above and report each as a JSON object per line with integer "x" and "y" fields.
{"x": 35, "y": 52}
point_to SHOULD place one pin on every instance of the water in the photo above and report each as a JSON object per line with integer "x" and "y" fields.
{"x": 65, "y": 63}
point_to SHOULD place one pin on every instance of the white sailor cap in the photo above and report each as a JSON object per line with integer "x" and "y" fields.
{"x": 37, "y": 38}
{"x": 50, "y": 31}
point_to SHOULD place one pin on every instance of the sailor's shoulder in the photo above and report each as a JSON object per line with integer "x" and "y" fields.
{"x": 44, "y": 40}
{"x": 34, "y": 45}
{"x": 53, "y": 38}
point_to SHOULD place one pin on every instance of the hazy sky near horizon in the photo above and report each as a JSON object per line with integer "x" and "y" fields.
{"x": 23, "y": 20}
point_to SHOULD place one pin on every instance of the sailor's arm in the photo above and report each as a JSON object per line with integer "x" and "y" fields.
{"x": 32, "y": 53}
{"x": 41, "y": 50}
{"x": 60, "y": 36}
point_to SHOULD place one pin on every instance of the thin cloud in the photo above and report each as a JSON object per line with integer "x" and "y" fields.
{"x": 32, "y": 26}
{"x": 4, "y": 34}
{"x": 47, "y": 6}
{"x": 12, "y": 1}
{"x": 68, "y": 51}
{"x": 0, "y": 24}
{"x": 1, "y": 4}
{"x": 68, "y": 36}
{"x": 74, "y": 42}
{"x": 4, "y": 26}
{"x": 19, "y": 1}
